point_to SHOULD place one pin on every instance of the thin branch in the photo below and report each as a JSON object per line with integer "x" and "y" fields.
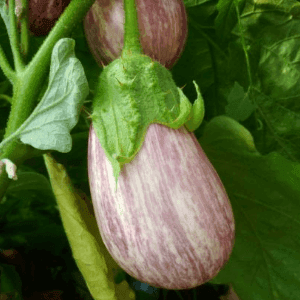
{"x": 5, "y": 66}
{"x": 14, "y": 37}
{"x": 6, "y": 98}
{"x": 24, "y": 29}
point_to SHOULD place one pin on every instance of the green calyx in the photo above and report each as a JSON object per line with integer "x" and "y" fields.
{"x": 132, "y": 93}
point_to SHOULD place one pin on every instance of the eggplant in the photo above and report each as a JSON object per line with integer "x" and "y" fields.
{"x": 169, "y": 223}
{"x": 162, "y": 24}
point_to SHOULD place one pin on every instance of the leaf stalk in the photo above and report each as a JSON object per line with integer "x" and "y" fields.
{"x": 6, "y": 67}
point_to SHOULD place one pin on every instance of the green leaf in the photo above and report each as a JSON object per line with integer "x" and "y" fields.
{"x": 30, "y": 183}
{"x": 49, "y": 125}
{"x": 239, "y": 105}
{"x": 10, "y": 283}
{"x": 227, "y": 18}
{"x": 29, "y": 214}
{"x": 92, "y": 258}
{"x": 271, "y": 39}
{"x": 264, "y": 192}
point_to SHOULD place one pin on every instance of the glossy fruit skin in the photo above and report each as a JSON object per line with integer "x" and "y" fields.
{"x": 170, "y": 223}
{"x": 162, "y": 24}
{"x": 43, "y": 14}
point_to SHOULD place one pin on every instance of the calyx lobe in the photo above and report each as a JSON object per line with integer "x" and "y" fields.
{"x": 132, "y": 93}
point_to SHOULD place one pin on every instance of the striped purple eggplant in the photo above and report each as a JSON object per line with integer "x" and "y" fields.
{"x": 162, "y": 24}
{"x": 43, "y": 14}
{"x": 169, "y": 223}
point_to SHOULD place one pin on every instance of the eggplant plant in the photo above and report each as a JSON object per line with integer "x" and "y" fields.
{"x": 151, "y": 183}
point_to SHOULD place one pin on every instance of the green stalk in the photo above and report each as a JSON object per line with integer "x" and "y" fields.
{"x": 132, "y": 42}
{"x": 29, "y": 81}
{"x": 6, "y": 67}
{"x": 5, "y": 97}
{"x": 14, "y": 37}
{"x": 24, "y": 30}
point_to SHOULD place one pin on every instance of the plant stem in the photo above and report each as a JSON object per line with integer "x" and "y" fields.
{"x": 132, "y": 42}
{"x": 244, "y": 47}
{"x": 30, "y": 80}
{"x": 14, "y": 37}
{"x": 6, "y": 68}
{"x": 24, "y": 29}
{"x": 5, "y": 97}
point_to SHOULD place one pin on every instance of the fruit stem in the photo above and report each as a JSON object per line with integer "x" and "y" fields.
{"x": 132, "y": 42}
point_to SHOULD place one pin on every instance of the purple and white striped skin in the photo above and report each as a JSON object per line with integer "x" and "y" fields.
{"x": 162, "y": 24}
{"x": 170, "y": 223}
{"x": 43, "y": 14}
